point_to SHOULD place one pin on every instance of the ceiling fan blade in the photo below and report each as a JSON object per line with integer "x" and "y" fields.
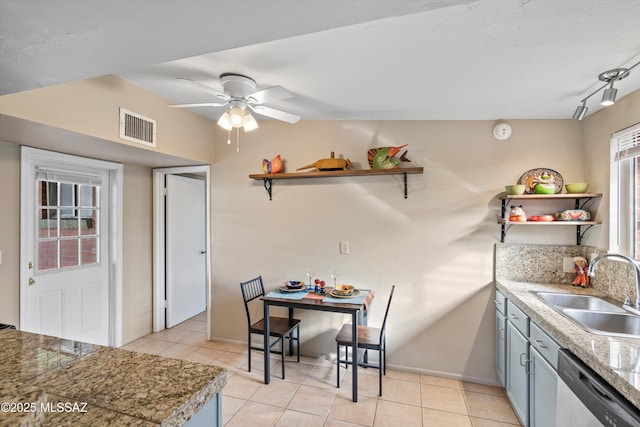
{"x": 205, "y": 87}
{"x": 274, "y": 93}
{"x": 275, "y": 114}
{"x": 200, "y": 104}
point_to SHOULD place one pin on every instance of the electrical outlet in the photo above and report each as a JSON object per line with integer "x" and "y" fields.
{"x": 568, "y": 265}
{"x": 344, "y": 247}
{"x": 0, "y": 257}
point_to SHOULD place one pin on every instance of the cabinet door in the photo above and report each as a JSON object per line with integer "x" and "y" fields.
{"x": 542, "y": 392}
{"x": 517, "y": 384}
{"x": 501, "y": 346}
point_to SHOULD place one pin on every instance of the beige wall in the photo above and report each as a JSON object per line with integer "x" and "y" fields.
{"x": 137, "y": 253}
{"x": 91, "y": 107}
{"x": 82, "y": 118}
{"x": 436, "y": 246}
{"x": 597, "y": 131}
{"x": 9, "y": 233}
{"x": 137, "y": 241}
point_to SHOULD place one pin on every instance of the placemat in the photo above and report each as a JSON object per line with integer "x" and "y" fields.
{"x": 355, "y": 300}
{"x": 287, "y": 295}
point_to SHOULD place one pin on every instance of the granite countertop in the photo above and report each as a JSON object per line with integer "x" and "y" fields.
{"x": 84, "y": 384}
{"x": 615, "y": 359}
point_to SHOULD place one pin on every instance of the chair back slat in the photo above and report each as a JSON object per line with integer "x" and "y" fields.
{"x": 251, "y": 290}
{"x": 386, "y": 313}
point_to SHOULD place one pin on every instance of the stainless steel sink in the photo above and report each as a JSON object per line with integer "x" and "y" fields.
{"x": 580, "y": 302}
{"x": 598, "y": 322}
{"x": 594, "y": 314}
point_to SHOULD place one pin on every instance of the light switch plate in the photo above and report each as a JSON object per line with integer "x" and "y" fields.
{"x": 568, "y": 265}
{"x": 344, "y": 247}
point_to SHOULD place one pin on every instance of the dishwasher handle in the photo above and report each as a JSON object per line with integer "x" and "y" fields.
{"x": 597, "y": 391}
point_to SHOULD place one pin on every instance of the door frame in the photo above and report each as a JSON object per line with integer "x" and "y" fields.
{"x": 159, "y": 238}
{"x": 30, "y": 156}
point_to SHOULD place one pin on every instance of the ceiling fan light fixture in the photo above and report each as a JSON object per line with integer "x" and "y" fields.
{"x": 236, "y": 116}
{"x": 250, "y": 123}
{"x": 224, "y": 122}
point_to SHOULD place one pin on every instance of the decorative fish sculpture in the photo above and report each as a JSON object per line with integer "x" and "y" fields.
{"x": 273, "y": 166}
{"x": 331, "y": 164}
{"x": 384, "y": 157}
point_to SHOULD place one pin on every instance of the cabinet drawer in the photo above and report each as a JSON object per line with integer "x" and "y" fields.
{"x": 544, "y": 344}
{"x": 518, "y": 318}
{"x": 501, "y": 302}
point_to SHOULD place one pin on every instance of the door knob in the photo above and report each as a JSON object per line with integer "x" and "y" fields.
{"x": 31, "y": 281}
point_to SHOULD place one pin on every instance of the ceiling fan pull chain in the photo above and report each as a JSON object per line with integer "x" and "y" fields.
{"x": 237, "y": 140}
{"x": 229, "y": 137}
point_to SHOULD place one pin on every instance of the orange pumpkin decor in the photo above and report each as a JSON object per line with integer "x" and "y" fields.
{"x": 273, "y": 166}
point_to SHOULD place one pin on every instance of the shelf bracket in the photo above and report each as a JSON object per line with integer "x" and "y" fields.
{"x": 405, "y": 185}
{"x": 503, "y": 232}
{"x": 268, "y": 184}
{"x": 586, "y": 200}
{"x": 580, "y": 234}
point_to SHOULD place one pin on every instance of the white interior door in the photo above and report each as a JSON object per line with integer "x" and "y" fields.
{"x": 65, "y": 285}
{"x": 185, "y": 249}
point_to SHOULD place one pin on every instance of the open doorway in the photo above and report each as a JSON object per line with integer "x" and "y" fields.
{"x": 181, "y": 248}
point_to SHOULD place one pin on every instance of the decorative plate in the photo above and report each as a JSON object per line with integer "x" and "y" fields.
{"x": 291, "y": 284}
{"x": 542, "y": 218}
{"x": 529, "y": 179}
{"x": 286, "y": 289}
{"x": 355, "y": 293}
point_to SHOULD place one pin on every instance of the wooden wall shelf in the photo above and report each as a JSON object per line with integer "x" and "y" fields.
{"x": 580, "y": 200}
{"x": 268, "y": 178}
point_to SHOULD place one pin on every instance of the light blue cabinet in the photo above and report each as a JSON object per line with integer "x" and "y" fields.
{"x": 501, "y": 336}
{"x": 517, "y": 384}
{"x": 526, "y": 362}
{"x": 542, "y": 391}
{"x": 501, "y": 346}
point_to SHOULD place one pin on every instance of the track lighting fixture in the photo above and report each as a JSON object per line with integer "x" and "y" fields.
{"x": 581, "y": 111}
{"x": 609, "y": 95}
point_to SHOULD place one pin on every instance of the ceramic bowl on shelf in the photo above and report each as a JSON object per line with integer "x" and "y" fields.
{"x": 514, "y": 190}
{"x": 577, "y": 188}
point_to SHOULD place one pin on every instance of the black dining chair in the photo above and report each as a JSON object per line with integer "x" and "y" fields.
{"x": 368, "y": 339}
{"x": 281, "y": 328}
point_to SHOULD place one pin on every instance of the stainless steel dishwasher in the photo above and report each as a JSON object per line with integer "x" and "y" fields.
{"x": 586, "y": 400}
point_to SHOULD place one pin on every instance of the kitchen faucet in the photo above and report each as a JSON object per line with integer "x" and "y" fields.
{"x": 592, "y": 268}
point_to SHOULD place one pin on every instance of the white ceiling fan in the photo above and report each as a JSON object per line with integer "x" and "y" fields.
{"x": 240, "y": 95}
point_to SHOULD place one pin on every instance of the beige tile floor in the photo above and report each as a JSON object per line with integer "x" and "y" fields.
{"x": 309, "y": 397}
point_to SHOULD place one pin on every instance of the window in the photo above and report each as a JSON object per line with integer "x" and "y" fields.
{"x": 625, "y": 192}
{"x": 68, "y": 217}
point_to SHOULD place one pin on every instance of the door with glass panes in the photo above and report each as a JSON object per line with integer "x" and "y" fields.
{"x": 67, "y": 294}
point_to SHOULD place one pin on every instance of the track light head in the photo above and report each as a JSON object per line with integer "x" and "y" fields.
{"x": 581, "y": 111}
{"x": 609, "y": 96}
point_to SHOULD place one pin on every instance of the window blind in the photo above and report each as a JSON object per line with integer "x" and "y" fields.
{"x": 67, "y": 177}
{"x": 628, "y": 143}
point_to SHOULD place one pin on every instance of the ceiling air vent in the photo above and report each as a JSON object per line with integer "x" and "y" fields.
{"x": 137, "y": 128}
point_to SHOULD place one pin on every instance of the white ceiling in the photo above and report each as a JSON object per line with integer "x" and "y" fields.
{"x": 341, "y": 59}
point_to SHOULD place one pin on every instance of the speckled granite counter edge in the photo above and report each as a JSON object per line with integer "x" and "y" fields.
{"x": 185, "y": 412}
{"x": 568, "y": 334}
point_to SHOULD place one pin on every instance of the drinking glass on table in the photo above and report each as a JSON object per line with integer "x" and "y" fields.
{"x": 309, "y": 272}
{"x": 334, "y": 275}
